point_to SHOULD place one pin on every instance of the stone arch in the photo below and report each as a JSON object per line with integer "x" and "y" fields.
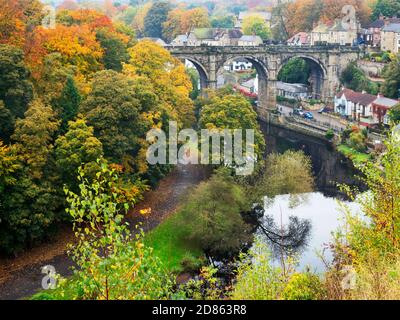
{"x": 259, "y": 65}
{"x": 204, "y": 75}
{"x": 263, "y": 74}
{"x": 319, "y": 73}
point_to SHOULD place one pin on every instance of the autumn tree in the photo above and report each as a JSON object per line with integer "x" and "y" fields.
{"x": 232, "y": 111}
{"x": 34, "y": 136}
{"x": 183, "y": 21}
{"x": 256, "y": 25}
{"x": 16, "y": 90}
{"x": 138, "y": 21}
{"x": 78, "y": 147}
{"x": 212, "y": 215}
{"x": 167, "y": 76}
{"x": 17, "y": 19}
{"x": 32, "y": 206}
{"x": 112, "y": 264}
{"x": 115, "y": 109}
{"x": 155, "y": 18}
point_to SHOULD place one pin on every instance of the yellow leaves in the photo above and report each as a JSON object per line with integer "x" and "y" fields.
{"x": 145, "y": 212}
{"x": 168, "y": 77}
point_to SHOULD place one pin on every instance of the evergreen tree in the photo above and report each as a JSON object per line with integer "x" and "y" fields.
{"x": 68, "y": 103}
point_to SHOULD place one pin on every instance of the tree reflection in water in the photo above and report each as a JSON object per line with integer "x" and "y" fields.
{"x": 290, "y": 238}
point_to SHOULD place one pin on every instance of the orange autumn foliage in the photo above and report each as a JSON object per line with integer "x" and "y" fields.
{"x": 77, "y": 45}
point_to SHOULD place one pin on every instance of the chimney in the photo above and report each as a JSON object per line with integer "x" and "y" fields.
{"x": 379, "y": 95}
{"x": 363, "y": 92}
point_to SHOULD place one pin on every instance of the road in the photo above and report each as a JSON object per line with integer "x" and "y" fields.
{"x": 321, "y": 118}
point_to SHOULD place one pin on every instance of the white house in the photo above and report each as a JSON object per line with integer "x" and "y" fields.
{"x": 239, "y": 64}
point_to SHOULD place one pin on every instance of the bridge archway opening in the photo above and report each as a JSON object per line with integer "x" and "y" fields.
{"x": 315, "y": 74}
{"x": 234, "y": 70}
{"x": 201, "y": 71}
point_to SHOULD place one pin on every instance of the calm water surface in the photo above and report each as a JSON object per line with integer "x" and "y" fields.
{"x": 324, "y": 214}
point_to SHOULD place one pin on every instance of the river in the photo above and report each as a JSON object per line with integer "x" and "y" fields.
{"x": 320, "y": 208}
{"x": 323, "y": 214}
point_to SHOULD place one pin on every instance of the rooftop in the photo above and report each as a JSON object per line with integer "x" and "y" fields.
{"x": 392, "y": 27}
{"x": 385, "y": 102}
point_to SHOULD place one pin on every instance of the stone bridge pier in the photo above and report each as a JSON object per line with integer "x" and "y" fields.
{"x": 326, "y": 63}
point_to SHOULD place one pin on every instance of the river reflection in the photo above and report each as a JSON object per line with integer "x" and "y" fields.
{"x": 323, "y": 215}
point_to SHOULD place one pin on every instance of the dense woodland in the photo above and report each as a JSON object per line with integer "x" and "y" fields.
{"x": 76, "y": 102}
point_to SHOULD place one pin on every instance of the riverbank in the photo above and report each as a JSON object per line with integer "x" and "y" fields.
{"x": 21, "y": 277}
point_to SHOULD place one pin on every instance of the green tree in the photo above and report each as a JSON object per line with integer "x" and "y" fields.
{"x": 256, "y": 25}
{"x": 195, "y": 78}
{"x": 212, "y": 215}
{"x": 114, "y": 108}
{"x": 391, "y": 74}
{"x": 155, "y": 19}
{"x": 16, "y": 91}
{"x": 34, "y": 136}
{"x": 394, "y": 113}
{"x": 223, "y": 21}
{"x": 77, "y": 147}
{"x": 287, "y": 173}
{"x": 295, "y": 71}
{"x": 354, "y": 78}
{"x": 115, "y": 50}
{"x": 68, "y": 103}
{"x": 112, "y": 264}
{"x": 232, "y": 111}
{"x": 31, "y": 208}
{"x": 387, "y": 8}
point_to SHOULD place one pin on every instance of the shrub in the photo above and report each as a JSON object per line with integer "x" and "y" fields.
{"x": 303, "y": 286}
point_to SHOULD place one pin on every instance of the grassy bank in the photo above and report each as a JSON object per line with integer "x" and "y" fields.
{"x": 356, "y": 156}
{"x": 170, "y": 246}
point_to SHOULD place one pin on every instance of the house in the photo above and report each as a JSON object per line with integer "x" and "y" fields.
{"x": 250, "y": 41}
{"x": 390, "y": 38}
{"x": 354, "y": 105}
{"x": 292, "y": 90}
{"x": 319, "y": 34}
{"x": 267, "y": 16}
{"x": 375, "y": 29}
{"x": 239, "y": 64}
{"x": 210, "y": 37}
{"x": 380, "y": 108}
{"x": 334, "y": 33}
{"x": 300, "y": 39}
{"x": 183, "y": 40}
{"x": 365, "y": 108}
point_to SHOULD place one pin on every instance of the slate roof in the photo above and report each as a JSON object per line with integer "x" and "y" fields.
{"x": 214, "y": 33}
{"x": 386, "y": 102}
{"x": 361, "y": 98}
{"x": 301, "y": 37}
{"x": 393, "y": 27}
{"x": 380, "y": 23}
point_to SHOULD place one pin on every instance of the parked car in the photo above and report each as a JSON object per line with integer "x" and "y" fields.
{"x": 298, "y": 112}
{"x": 308, "y": 115}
